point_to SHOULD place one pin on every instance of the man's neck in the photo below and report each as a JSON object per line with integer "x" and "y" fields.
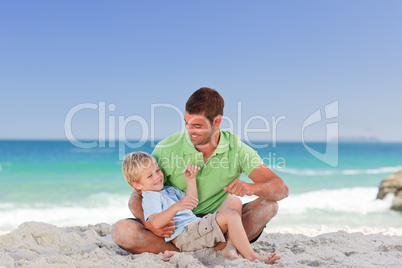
{"x": 208, "y": 149}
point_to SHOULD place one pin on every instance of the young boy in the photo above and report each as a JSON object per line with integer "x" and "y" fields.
{"x": 163, "y": 203}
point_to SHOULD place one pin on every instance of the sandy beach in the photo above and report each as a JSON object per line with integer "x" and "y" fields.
{"x": 36, "y": 244}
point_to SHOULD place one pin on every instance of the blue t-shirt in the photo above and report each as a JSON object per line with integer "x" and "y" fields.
{"x": 158, "y": 201}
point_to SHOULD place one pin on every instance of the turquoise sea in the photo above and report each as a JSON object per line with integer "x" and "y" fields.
{"x": 59, "y": 183}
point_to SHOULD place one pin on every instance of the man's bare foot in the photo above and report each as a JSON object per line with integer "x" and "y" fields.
{"x": 167, "y": 255}
{"x": 271, "y": 258}
{"x": 230, "y": 251}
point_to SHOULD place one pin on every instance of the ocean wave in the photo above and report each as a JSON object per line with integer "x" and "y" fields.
{"x": 308, "y": 172}
{"x": 381, "y": 170}
{"x": 356, "y": 200}
{"x": 109, "y": 208}
{"x": 318, "y": 172}
{"x": 93, "y": 150}
{"x": 102, "y": 207}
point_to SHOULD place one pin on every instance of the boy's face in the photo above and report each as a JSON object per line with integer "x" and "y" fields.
{"x": 151, "y": 179}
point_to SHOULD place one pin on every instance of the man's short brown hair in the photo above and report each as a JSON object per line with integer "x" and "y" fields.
{"x": 205, "y": 101}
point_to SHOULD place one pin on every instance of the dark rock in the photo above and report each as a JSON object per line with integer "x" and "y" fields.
{"x": 397, "y": 202}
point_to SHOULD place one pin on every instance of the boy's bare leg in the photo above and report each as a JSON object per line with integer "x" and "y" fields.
{"x": 256, "y": 215}
{"x": 168, "y": 254}
{"x": 228, "y": 249}
{"x": 230, "y": 221}
{"x": 133, "y": 237}
{"x": 271, "y": 258}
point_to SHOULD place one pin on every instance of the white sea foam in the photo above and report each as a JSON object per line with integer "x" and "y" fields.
{"x": 318, "y": 172}
{"x": 93, "y": 150}
{"x": 109, "y": 208}
{"x": 381, "y": 170}
{"x": 356, "y": 200}
{"x": 308, "y": 172}
{"x": 102, "y": 207}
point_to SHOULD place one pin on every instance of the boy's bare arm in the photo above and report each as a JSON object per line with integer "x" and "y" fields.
{"x": 159, "y": 220}
{"x": 135, "y": 206}
{"x": 190, "y": 172}
{"x": 190, "y": 201}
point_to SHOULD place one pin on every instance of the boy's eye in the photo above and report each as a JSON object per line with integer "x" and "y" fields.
{"x": 150, "y": 176}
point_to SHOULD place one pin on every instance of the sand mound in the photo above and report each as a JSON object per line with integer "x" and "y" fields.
{"x": 36, "y": 244}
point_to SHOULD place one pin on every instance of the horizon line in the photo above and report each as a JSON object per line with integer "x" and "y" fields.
{"x": 341, "y": 140}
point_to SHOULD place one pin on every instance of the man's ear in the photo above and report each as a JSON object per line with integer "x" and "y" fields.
{"x": 217, "y": 120}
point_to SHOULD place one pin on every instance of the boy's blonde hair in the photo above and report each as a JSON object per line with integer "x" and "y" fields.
{"x": 134, "y": 164}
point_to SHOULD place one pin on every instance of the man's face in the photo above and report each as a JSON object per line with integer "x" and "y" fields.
{"x": 199, "y": 128}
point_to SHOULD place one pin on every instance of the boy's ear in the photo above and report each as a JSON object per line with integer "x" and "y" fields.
{"x": 136, "y": 185}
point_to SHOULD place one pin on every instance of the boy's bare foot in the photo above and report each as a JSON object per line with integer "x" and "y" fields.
{"x": 271, "y": 258}
{"x": 167, "y": 255}
{"x": 230, "y": 251}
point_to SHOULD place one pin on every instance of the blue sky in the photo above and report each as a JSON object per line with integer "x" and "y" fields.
{"x": 281, "y": 59}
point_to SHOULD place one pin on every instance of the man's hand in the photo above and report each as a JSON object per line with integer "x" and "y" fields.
{"x": 165, "y": 231}
{"x": 191, "y": 171}
{"x": 187, "y": 202}
{"x": 239, "y": 188}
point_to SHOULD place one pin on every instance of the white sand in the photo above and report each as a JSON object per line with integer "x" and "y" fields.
{"x": 41, "y": 245}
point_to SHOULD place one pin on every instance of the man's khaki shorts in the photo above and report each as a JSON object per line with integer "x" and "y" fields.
{"x": 204, "y": 233}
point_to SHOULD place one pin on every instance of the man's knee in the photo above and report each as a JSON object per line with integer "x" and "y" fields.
{"x": 263, "y": 208}
{"x": 123, "y": 233}
{"x": 271, "y": 207}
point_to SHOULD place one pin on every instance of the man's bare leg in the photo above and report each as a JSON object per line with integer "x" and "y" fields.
{"x": 256, "y": 215}
{"x": 133, "y": 237}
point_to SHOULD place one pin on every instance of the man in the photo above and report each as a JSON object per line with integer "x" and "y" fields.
{"x": 222, "y": 158}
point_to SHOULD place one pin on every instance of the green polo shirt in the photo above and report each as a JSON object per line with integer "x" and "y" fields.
{"x": 230, "y": 159}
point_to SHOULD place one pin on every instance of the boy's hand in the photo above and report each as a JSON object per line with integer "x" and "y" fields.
{"x": 191, "y": 171}
{"x": 187, "y": 202}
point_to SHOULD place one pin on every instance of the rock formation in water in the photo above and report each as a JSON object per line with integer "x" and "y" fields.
{"x": 392, "y": 184}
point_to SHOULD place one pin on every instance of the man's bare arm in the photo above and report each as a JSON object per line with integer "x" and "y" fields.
{"x": 266, "y": 184}
{"x": 135, "y": 205}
